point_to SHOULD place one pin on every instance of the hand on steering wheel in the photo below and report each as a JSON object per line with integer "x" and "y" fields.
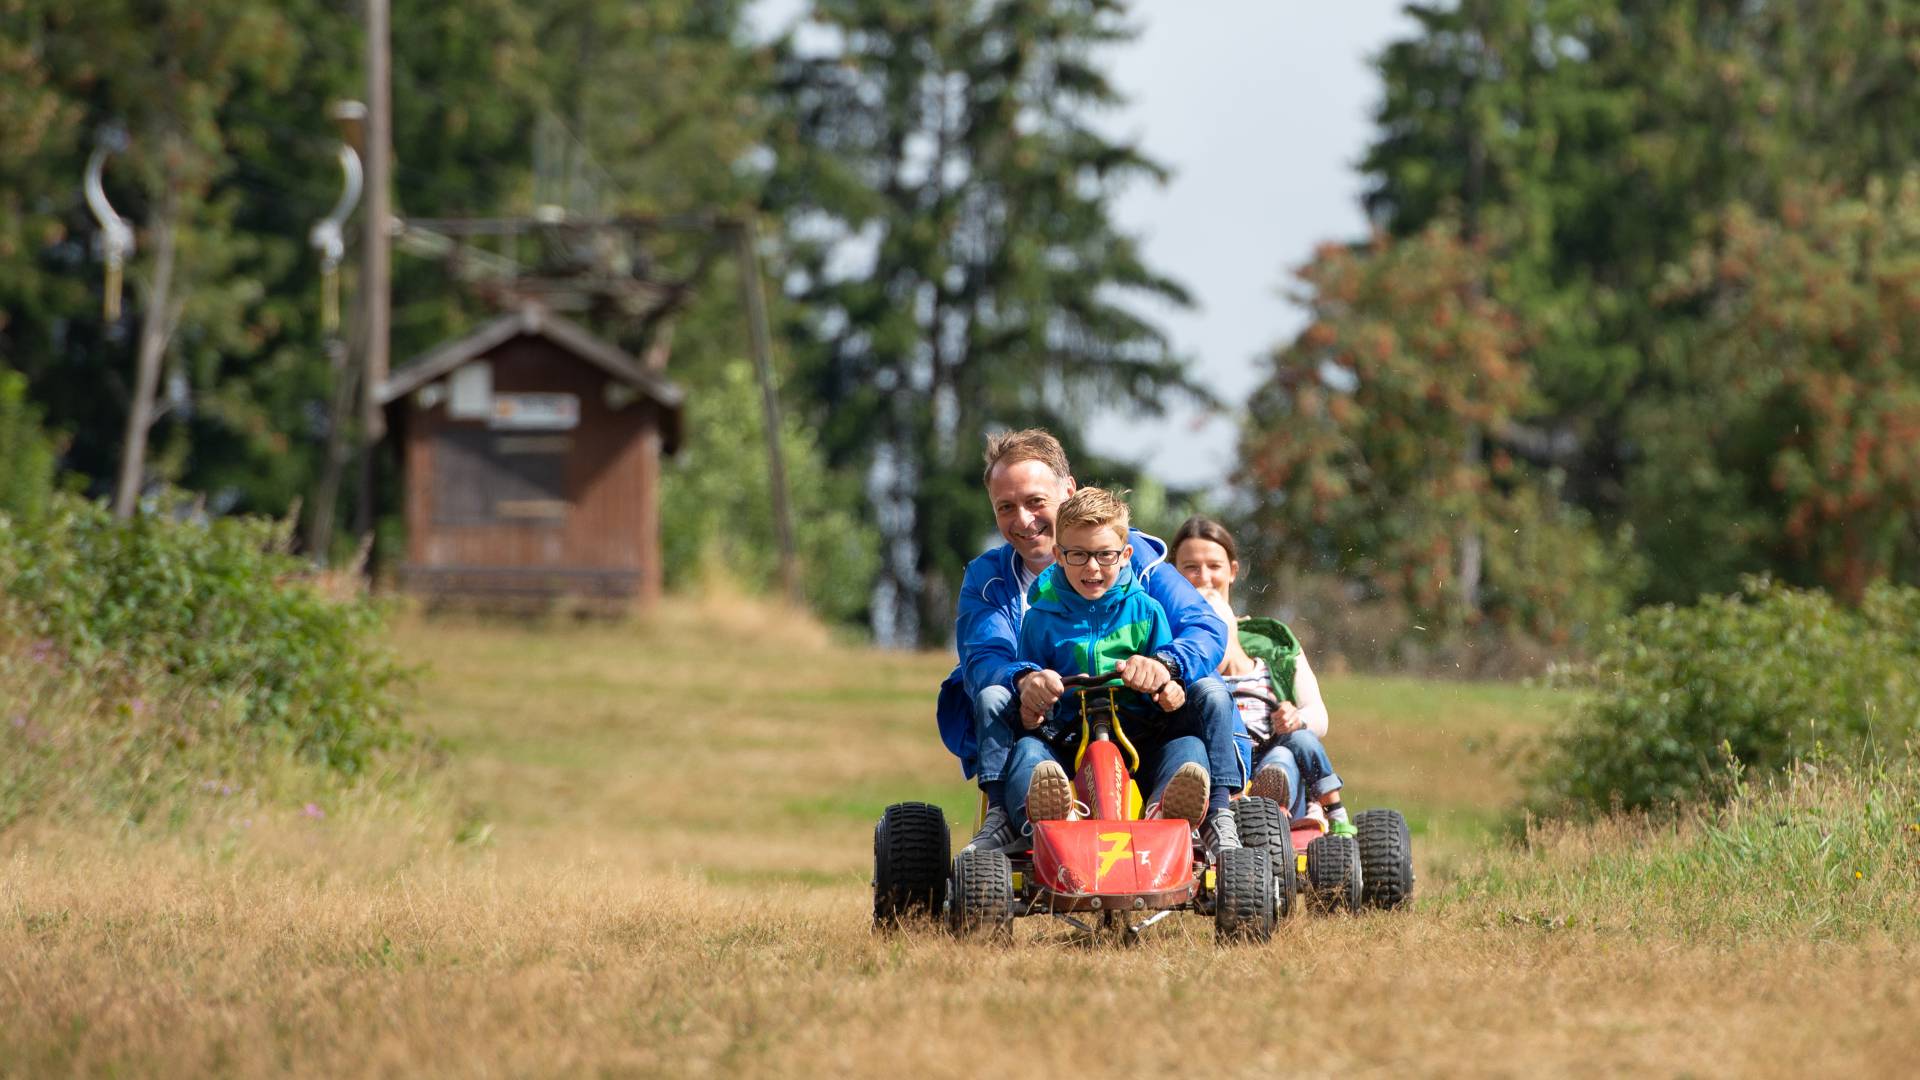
{"x": 1039, "y": 690}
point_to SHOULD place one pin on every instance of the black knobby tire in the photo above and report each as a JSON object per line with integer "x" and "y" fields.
{"x": 981, "y": 895}
{"x": 1243, "y": 900}
{"x": 1386, "y": 858}
{"x": 1333, "y": 869}
{"x": 1265, "y": 826}
{"x": 910, "y": 846}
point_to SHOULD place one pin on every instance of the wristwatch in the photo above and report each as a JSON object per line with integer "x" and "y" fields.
{"x": 1173, "y": 666}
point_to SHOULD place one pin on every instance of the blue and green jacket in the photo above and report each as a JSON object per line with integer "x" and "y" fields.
{"x": 1070, "y": 634}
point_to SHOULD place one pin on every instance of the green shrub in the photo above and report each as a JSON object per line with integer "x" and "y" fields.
{"x": 212, "y": 605}
{"x": 26, "y": 454}
{"x": 1676, "y": 695}
{"x": 716, "y": 501}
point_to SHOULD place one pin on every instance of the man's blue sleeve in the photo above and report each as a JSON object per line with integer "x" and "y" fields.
{"x": 983, "y": 634}
{"x": 1199, "y": 637}
{"x": 1032, "y": 654}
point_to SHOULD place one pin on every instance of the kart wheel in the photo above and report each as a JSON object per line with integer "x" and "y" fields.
{"x": 1333, "y": 869}
{"x": 1265, "y": 826}
{"x": 1386, "y": 858}
{"x": 981, "y": 895}
{"x": 910, "y": 844}
{"x": 1243, "y": 899}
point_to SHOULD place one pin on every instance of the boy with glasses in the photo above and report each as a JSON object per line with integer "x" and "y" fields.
{"x": 1088, "y": 615}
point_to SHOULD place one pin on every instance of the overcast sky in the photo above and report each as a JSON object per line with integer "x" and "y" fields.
{"x": 1261, "y": 108}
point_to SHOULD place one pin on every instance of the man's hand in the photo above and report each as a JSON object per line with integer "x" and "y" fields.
{"x": 1038, "y": 692}
{"x": 1170, "y": 697}
{"x": 1144, "y": 674}
{"x": 1286, "y": 719}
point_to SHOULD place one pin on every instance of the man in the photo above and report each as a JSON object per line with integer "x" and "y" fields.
{"x": 1027, "y": 479}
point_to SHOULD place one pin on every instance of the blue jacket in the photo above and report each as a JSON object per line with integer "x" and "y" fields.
{"x": 987, "y": 628}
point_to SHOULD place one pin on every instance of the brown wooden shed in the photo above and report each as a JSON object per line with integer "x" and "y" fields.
{"x": 530, "y": 454}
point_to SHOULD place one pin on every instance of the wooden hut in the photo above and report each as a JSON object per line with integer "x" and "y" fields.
{"x": 530, "y": 454}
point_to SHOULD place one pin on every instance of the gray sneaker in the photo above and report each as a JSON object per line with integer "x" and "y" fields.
{"x": 1219, "y": 833}
{"x": 996, "y": 833}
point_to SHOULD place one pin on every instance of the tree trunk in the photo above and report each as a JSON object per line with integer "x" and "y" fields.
{"x": 156, "y": 327}
{"x": 1471, "y": 550}
{"x": 326, "y": 496}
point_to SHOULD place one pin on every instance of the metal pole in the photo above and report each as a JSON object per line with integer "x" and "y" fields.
{"x": 376, "y": 288}
{"x": 756, "y": 305}
{"x": 378, "y": 254}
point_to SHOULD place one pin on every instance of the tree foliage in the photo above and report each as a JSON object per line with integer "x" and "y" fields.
{"x": 225, "y": 105}
{"x": 1696, "y": 215}
{"x": 947, "y": 203}
{"x": 718, "y": 501}
{"x": 1382, "y": 445}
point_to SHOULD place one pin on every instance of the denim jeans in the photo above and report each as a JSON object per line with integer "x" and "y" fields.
{"x": 994, "y": 715}
{"x": 1200, "y": 731}
{"x": 1209, "y": 713}
{"x": 1158, "y": 762}
{"x": 1302, "y": 757}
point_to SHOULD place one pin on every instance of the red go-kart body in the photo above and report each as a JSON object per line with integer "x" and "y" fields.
{"x": 1111, "y": 861}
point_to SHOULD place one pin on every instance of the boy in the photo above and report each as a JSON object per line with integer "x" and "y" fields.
{"x": 1087, "y": 614}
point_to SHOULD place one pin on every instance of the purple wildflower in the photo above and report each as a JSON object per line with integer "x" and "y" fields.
{"x": 313, "y": 811}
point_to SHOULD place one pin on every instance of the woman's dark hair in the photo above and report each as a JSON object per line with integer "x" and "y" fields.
{"x": 1198, "y": 527}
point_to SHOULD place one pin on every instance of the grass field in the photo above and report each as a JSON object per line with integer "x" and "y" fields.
{"x": 646, "y": 848}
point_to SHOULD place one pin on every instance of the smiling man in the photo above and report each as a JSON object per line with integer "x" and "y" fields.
{"x": 1027, "y": 479}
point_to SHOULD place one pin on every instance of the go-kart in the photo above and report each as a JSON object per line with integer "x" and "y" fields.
{"x": 1372, "y": 869}
{"x": 1111, "y": 866}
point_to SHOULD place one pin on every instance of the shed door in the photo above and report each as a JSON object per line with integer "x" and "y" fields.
{"x": 491, "y": 478}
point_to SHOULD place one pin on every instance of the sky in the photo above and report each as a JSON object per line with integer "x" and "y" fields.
{"x": 1261, "y": 108}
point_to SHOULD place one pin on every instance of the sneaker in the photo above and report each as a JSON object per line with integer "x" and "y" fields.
{"x": 1049, "y": 793}
{"x": 1185, "y": 795}
{"x": 996, "y": 833}
{"x": 1341, "y": 827}
{"x": 1271, "y": 783}
{"x": 1219, "y": 833}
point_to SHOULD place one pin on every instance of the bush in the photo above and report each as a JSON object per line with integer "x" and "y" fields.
{"x": 26, "y": 454}
{"x": 208, "y": 605}
{"x": 716, "y": 504}
{"x": 1755, "y": 680}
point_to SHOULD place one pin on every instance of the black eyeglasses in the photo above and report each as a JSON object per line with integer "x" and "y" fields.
{"x": 1079, "y": 556}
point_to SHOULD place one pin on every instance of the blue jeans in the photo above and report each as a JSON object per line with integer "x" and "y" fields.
{"x": 1302, "y": 757}
{"x": 1158, "y": 762}
{"x": 1209, "y": 714}
{"x": 994, "y": 715}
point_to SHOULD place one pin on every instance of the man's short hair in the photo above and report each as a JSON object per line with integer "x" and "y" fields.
{"x": 1032, "y": 444}
{"x": 1093, "y": 506}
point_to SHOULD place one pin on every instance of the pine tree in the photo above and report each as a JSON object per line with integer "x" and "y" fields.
{"x": 948, "y": 209}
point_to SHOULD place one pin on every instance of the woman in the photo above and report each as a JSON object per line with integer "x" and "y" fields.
{"x": 1281, "y": 712}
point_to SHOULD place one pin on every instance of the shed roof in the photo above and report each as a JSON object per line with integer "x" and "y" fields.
{"x": 533, "y": 320}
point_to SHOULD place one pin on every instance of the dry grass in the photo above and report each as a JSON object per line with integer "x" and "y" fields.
{"x": 666, "y": 842}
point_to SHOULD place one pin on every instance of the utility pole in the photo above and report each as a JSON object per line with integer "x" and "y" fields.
{"x": 755, "y": 302}
{"x": 376, "y": 283}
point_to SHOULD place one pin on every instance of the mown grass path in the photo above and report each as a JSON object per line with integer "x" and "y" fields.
{"x": 677, "y": 822}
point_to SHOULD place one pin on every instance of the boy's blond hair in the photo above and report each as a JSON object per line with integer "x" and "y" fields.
{"x": 1093, "y": 506}
{"x": 1032, "y": 444}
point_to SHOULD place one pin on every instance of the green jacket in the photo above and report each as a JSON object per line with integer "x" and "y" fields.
{"x": 1271, "y": 640}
